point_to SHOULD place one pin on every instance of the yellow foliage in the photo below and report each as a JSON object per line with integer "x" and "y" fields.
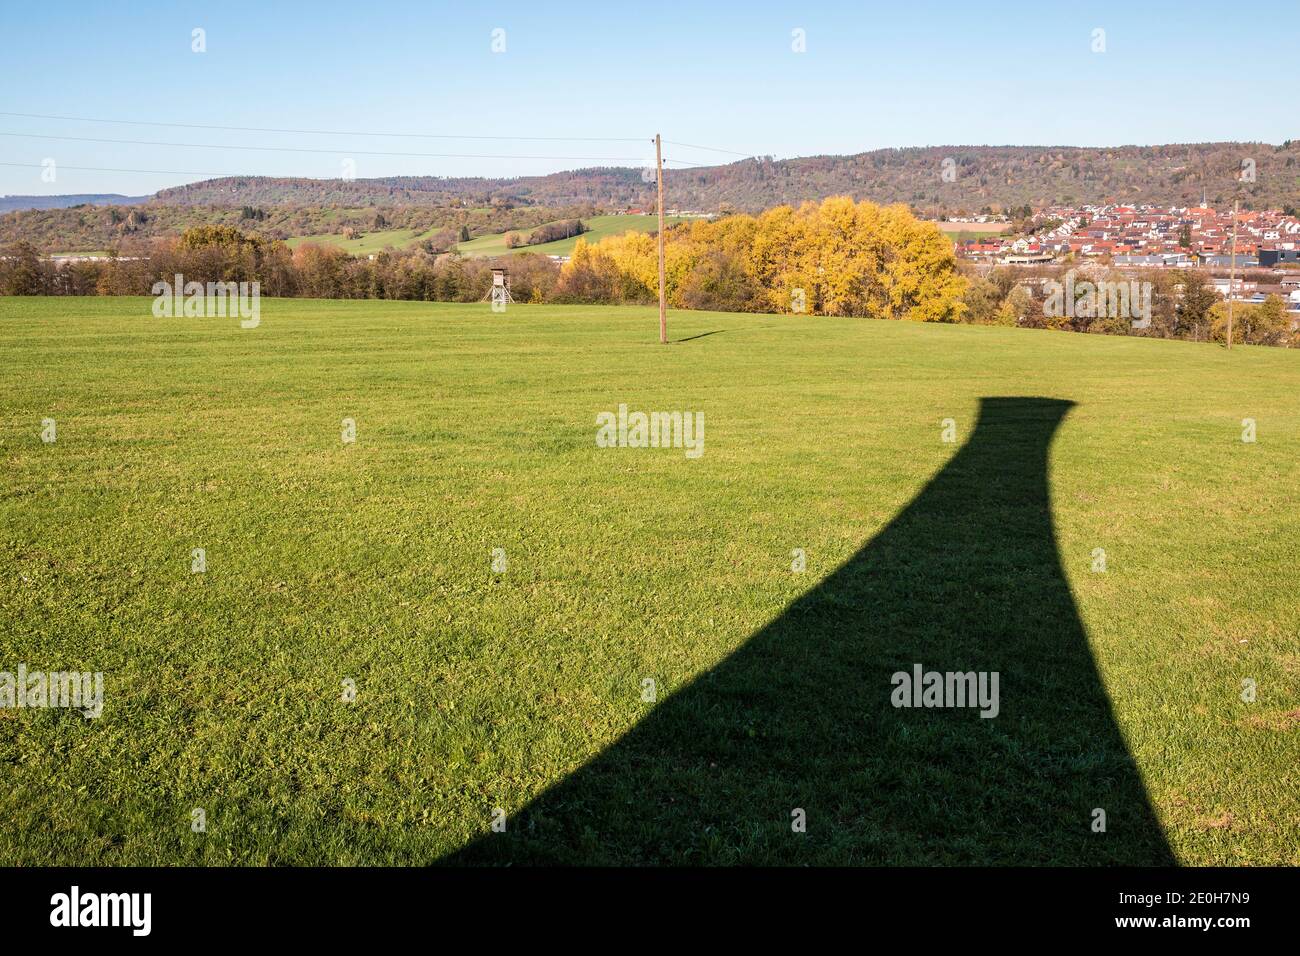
{"x": 635, "y": 255}
{"x": 847, "y": 257}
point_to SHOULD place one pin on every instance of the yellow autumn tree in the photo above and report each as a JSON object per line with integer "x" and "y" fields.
{"x": 920, "y": 271}
{"x": 588, "y": 276}
{"x": 836, "y": 257}
{"x": 636, "y": 256}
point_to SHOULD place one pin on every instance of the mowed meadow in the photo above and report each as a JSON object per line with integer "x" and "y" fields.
{"x": 334, "y": 566}
{"x": 598, "y": 228}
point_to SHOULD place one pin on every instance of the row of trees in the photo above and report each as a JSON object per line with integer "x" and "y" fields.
{"x": 834, "y": 258}
{"x": 837, "y": 257}
{"x": 1183, "y": 304}
{"x": 550, "y": 232}
{"x": 221, "y": 254}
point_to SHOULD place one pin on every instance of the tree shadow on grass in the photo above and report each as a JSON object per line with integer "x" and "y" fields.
{"x": 966, "y": 578}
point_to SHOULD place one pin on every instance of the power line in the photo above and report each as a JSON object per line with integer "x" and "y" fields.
{"x": 337, "y": 152}
{"x": 326, "y": 132}
{"x": 388, "y": 135}
{"x": 156, "y": 172}
{"x": 190, "y": 172}
{"x": 669, "y": 142}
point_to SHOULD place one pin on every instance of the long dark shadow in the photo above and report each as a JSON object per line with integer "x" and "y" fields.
{"x": 692, "y": 338}
{"x": 967, "y": 578}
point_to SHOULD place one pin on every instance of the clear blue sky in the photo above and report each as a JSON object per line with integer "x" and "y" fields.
{"x": 713, "y": 73}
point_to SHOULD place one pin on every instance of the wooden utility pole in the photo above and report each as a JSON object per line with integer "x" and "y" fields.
{"x": 663, "y": 301}
{"x": 1232, "y": 271}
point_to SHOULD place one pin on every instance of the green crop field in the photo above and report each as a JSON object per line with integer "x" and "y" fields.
{"x": 601, "y": 227}
{"x": 474, "y": 613}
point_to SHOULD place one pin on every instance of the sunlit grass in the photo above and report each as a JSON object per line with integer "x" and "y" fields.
{"x": 370, "y": 562}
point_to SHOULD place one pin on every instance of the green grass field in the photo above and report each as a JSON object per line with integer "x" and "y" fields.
{"x": 367, "y": 243}
{"x": 491, "y": 245}
{"x": 601, "y": 228}
{"x": 371, "y": 563}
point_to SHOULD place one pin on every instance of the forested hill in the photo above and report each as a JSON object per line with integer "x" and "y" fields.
{"x": 12, "y": 203}
{"x": 602, "y": 187}
{"x": 1003, "y": 177}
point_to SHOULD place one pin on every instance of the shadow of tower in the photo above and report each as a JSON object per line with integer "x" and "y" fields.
{"x": 966, "y": 578}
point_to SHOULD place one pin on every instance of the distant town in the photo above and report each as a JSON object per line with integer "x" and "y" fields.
{"x": 1149, "y": 236}
{"x": 1267, "y": 260}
